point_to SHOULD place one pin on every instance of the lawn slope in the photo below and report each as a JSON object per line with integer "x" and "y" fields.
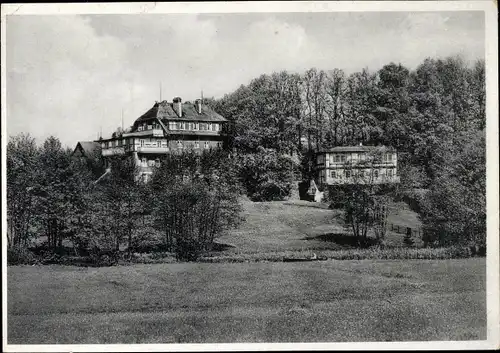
{"x": 300, "y": 225}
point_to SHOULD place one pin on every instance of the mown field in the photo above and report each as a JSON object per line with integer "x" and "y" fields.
{"x": 248, "y": 302}
{"x": 364, "y": 300}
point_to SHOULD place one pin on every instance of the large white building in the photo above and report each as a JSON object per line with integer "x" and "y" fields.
{"x": 357, "y": 165}
{"x": 167, "y": 127}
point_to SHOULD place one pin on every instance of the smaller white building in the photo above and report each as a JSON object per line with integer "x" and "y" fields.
{"x": 357, "y": 165}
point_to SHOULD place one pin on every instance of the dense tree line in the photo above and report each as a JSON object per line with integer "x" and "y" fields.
{"x": 55, "y": 204}
{"x": 429, "y": 114}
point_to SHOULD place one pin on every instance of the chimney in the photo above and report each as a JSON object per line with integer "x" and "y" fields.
{"x": 198, "y": 105}
{"x": 177, "y": 105}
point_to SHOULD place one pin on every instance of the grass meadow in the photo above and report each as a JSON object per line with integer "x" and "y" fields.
{"x": 323, "y": 301}
{"x": 384, "y": 300}
{"x": 301, "y": 225}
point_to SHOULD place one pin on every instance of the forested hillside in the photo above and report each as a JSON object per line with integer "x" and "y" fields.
{"x": 420, "y": 112}
{"x": 433, "y": 115}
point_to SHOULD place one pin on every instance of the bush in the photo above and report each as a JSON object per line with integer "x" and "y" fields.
{"x": 148, "y": 242}
{"x": 195, "y": 201}
{"x": 374, "y": 253}
{"x": 21, "y": 256}
{"x": 267, "y": 175}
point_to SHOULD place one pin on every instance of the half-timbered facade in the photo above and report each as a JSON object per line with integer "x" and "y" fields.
{"x": 357, "y": 165}
{"x": 167, "y": 127}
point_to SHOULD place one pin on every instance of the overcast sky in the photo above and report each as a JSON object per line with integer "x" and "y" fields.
{"x": 70, "y": 76}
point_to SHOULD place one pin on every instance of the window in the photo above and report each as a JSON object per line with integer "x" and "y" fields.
{"x": 197, "y": 144}
{"x": 172, "y": 125}
{"x": 183, "y": 126}
{"x": 216, "y": 127}
{"x": 179, "y": 144}
{"x": 150, "y": 127}
{"x": 388, "y": 157}
{"x": 158, "y": 143}
{"x": 339, "y": 158}
{"x": 206, "y": 144}
{"x": 157, "y": 162}
{"x": 361, "y": 173}
{"x": 347, "y": 173}
{"x": 144, "y": 161}
{"x": 375, "y": 173}
{"x": 334, "y": 174}
{"x": 142, "y": 143}
{"x": 390, "y": 173}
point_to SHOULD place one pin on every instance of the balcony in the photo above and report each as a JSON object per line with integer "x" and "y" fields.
{"x": 113, "y": 151}
{"x": 359, "y": 164}
{"x": 152, "y": 132}
{"x": 195, "y": 132}
{"x": 152, "y": 149}
{"x": 363, "y": 181}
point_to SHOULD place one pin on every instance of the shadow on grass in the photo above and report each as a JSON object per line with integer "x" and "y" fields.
{"x": 345, "y": 240}
{"x": 222, "y": 247}
{"x": 310, "y": 204}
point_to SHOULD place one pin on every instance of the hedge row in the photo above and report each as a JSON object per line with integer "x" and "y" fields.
{"x": 374, "y": 253}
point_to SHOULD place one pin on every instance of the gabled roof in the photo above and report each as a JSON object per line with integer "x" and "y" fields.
{"x": 356, "y": 149}
{"x": 88, "y": 147}
{"x": 165, "y": 111}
